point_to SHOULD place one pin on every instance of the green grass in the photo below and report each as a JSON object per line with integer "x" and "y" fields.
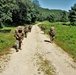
{"x": 65, "y": 36}
{"x": 7, "y": 40}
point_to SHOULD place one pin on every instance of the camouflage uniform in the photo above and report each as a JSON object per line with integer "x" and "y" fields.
{"x": 43, "y": 28}
{"x": 25, "y": 31}
{"x": 52, "y": 33}
{"x": 29, "y": 27}
{"x": 19, "y": 37}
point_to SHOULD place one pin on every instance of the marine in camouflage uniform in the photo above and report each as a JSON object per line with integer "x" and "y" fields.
{"x": 52, "y": 34}
{"x": 25, "y": 31}
{"x": 43, "y": 28}
{"x": 29, "y": 27}
{"x": 19, "y": 35}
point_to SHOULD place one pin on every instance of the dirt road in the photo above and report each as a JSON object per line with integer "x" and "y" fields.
{"x": 25, "y": 62}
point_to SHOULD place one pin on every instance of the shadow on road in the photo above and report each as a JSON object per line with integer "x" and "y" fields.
{"x": 47, "y": 41}
{"x": 14, "y": 46}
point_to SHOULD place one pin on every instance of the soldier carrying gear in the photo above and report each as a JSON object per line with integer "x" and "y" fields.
{"x": 43, "y": 28}
{"x": 29, "y": 27}
{"x": 25, "y": 31}
{"x": 19, "y": 37}
{"x": 52, "y": 34}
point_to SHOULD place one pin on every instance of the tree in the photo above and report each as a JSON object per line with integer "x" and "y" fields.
{"x": 64, "y": 16}
{"x": 72, "y": 15}
{"x": 51, "y": 18}
{"x": 6, "y": 11}
{"x": 20, "y": 12}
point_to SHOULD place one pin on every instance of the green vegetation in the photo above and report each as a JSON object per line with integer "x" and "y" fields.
{"x": 23, "y": 12}
{"x": 72, "y": 15}
{"x": 65, "y": 36}
{"x": 7, "y": 40}
{"x": 27, "y": 12}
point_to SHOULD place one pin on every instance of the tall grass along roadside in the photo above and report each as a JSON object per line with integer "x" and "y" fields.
{"x": 65, "y": 36}
{"x": 7, "y": 40}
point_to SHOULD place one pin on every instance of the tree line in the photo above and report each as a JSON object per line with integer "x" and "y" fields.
{"x": 21, "y": 12}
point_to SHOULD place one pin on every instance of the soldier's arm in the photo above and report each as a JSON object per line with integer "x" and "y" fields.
{"x": 15, "y": 34}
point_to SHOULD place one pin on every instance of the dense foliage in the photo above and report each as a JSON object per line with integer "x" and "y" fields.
{"x": 20, "y": 12}
{"x": 6, "y": 9}
{"x": 72, "y": 15}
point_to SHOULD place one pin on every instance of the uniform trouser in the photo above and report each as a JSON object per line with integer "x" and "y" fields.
{"x": 52, "y": 37}
{"x": 25, "y": 34}
{"x": 18, "y": 44}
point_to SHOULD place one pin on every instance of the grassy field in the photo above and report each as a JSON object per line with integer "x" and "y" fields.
{"x": 7, "y": 40}
{"x": 65, "y": 36}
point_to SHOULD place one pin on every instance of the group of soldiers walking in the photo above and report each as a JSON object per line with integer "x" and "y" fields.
{"x": 51, "y": 32}
{"x": 20, "y": 33}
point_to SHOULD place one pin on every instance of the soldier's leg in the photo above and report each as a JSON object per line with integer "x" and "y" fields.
{"x": 17, "y": 45}
{"x": 44, "y": 31}
{"x": 20, "y": 45}
{"x": 52, "y": 38}
{"x": 25, "y": 34}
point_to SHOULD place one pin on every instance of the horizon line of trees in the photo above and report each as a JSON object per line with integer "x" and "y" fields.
{"x": 21, "y": 12}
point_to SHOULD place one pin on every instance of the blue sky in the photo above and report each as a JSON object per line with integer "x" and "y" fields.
{"x": 57, "y": 4}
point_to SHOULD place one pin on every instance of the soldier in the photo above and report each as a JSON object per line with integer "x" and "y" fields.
{"x": 43, "y": 28}
{"x": 29, "y": 27}
{"x": 52, "y": 34}
{"x": 19, "y": 37}
{"x": 25, "y": 31}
